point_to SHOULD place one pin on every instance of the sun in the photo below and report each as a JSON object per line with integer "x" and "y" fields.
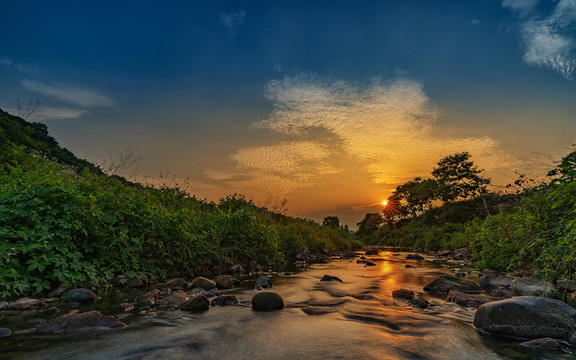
{"x": 384, "y": 202}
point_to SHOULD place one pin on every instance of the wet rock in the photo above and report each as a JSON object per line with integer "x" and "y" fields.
{"x": 303, "y": 254}
{"x": 175, "y": 284}
{"x": 572, "y": 338}
{"x": 490, "y": 272}
{"x": 330, "y": 278}
{"x": 126, "y": 307}
{"x": 287, "y": 274}
{"x": 175, "y": 299}
{"x": 372, "y": 251}
{"x": 82, "y": 296}
{"x": 495, "y": 282}
{"x": 529, "y": 286}
{"x": 5, "y": 332}
{"x": 527, "y": 317}
{"x": 61, "y": 289}
{"x": 81, "y": 321}
{"x": 237, "y": 269}
{"x": 138, "y": 281}
{"x": 414, "y": 257}
{"x": 148, "y": 299}
{"x": 460, "y": 253}
{"x": 224, "y": 282}
{"x": 547, "y": 343}
{"x": 463, "y": 299}
{"x": 4, "y": 305}
{"x": 212, "y": 292}
{"x": 203, "y": 283}
{"x": 52, "y": 310}
{"x": 568, "y": 285}
{"x": 237, "y": 282}
{"x": 463, "y": 272}
{"x": 24, "y": 304}
{"x": 403, "y": 294}
{"x": 361, "y": 261}
{"x": 409, "y": 267}
{"x": 500, "y": 294}
{"x": 196, "y": 303}
{"x": 225, "y": 300}
{"x": 370, "y": 263}
{"x": 267, "y": 301}
{"x": 317, "y": 310}
{"x": 447, "y": 283}
{"x": 418, "y": 303}
{"x": 263, "y": 282}
{"x": 439, "y": 261}
{"x": 36, "y": 321}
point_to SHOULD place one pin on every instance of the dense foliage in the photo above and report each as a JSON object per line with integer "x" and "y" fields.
{"x": 62, "y": 222}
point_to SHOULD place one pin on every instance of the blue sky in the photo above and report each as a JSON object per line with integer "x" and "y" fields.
{"x": 328, "y": 104}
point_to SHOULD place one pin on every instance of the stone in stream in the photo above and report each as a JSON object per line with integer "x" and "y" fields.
{"x": 330, "y": 278}
{"x": 5, "y": 332}
{"x": 527, "y": 317}
{"x": 463, "y": 299}
{"x": 267, "y": 301}
{"x": 203, "y": 283}
{"x": 52, "y": 310}
{"x": 446, "y": 283}
{"x": 224, "y": 282}
{"x": 61, "y": 289}
{"x": 530, "y": 286}
{"x": 418, "y": 303}
{"x": 148, "y": 299}
{"x": 409, "y": 266}
{"x": 403, "y": 294}
{"x": 263, "y": 282}
{"x": 414, "y": 257}
{"x": 81, "y": 321}
{"x": 372, "y": 251}
{"x": 138, "y": 281}
{"x": 196, "y": 303}
{"x": 82, "y": 296}
{"x": 495, "y": 282}
{"x": 225, "y": 300}
{"x": 125, "y": 307}
{"x": 175, "y": 284}
{"x": 24, "y": 304}
{"x": 546, "y": 343}
{"x": 175, "y": 299}
{"x": 370, "y": 263}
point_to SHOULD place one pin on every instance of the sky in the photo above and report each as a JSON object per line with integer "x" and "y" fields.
{"x": 327, "y": 104}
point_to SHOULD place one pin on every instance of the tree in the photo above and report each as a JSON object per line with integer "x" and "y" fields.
{"x": 416, "y": 195}
{"x": 369, "y": 224}
{"x": 331, "y": 221}
{"x": 458, "y": 178}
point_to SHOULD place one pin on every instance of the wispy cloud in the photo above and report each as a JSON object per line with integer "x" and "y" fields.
{"x": 233, "y": 20}
{"x": 548, "y": 40}
{"x": 27, "y": 69}
{"x": 475, "y": 22}
{"x": 72, "y": 94}
{"x": 51, "y": 113}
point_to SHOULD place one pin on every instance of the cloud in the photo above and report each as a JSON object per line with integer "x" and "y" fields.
{"x": 332, "y": 130}
{"x": 548, "y": 41}
{"x": 233, "y": 20}
{"x": 8, "y": 63}
{"x": 475, "y": 22}
{"x": 522, "y": 8}
{"x": 50, "y": 113}
{"x": 75, "y": 95}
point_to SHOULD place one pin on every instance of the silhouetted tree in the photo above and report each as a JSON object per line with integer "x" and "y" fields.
{"x": 331, "y": 221}
{"x": 458, "y": 178}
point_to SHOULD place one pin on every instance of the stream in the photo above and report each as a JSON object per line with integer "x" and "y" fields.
{"x": 356, "y": 319}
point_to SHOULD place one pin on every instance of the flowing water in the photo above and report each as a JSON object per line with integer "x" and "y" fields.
{"x": 356, "y": 319}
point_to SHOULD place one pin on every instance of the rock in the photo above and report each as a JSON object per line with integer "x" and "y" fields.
{"x": 569, "y": 285}
{"x": 287, "y": 274}
{"x": 529, "y": 286}
{"x": 203, "y": 283}
{"x": 370, "y": 263}
{"x": 4, "y": 305}
{"x": 52, "y": 310}
{"x": 463, "y": 299}
{"x": 212, "y": 292}
{"x": 175, "y": 284}
{"x": 225, "y": 300}
{"x": 125, "y": 307}
{"x": 267, "y": 301}
{"x": 23, "y": 304}
{"x": 302, "y": 254}
{"x": 500, "y": 294}
{"x": 372, "y": 251}
{"x": 148, "y": 299}
{"x": 82, "y": 296}
{"x": 81, "y": 321}
{"x": 572, "y": 338}
{"x": 5, "y": 332}
{"x": 403, "y": 294}
{"x": 361, "y": 261}
{"x": 414, "y": 257}
{"x": 238, "y": 269}
{"x": 263, "y": 282}
{"x": 460, "y": 253}
{"x": 490, "y": 272}
{"x": 463, "y": 272}
{"x": 237, "y": 282}
{"x": 446, "y": 283}
{"x": 439, "y": 261}
{"x": 36, "y": 321}
{"x": 196, "y": 303}
{"x": 330, "y": 278}
{"x": 495, "y": 282}
{"x": 138, "y": 281}
{"x": 175, "y": 299}
{"x": 547, "y": 343}
{"x": 61, "y": 289}
{"x": 418, "y": 303}
{"x": 527, "y": 317}
{"x": 409, "y": 267}
{"x": 224, "y": 282}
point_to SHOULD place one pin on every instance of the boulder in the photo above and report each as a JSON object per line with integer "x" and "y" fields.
{"x": 446, "y": 283}
{"x": 547, "y": 343}
{"x": 495, "y": 282}
{"x": 196, "y": 303}
{"x": 224, "y": 282}
{"x": 527, "y": 317}
{"x": 463, "y": 299}
{"x": 568, "y": 285}
{"x": 4, "y": 305}
{"x": 225, "y": 300}
{"x": 501, "y": 294}
{"x": 203, "y": 283}
{"x": 530, "y": 286}
{"x": 370, "y": 263}
{"x": 148, "y": 299}
{"x": 463, "y": 272}
{"x": 267, "y": 301}
{"x": 403, "y": 294}
{"x": 82, "y": 296}
{"x": 125, "y": 307}
{"x": 460, "y": 253}
{"x": 418, "y": 303}
{"x": 5, "y": 332}
{"x": 175, "y": 284}
{"x": 263, "y": 282}
{"x": 24, "y": 304}
{"x": 175, "y": 299}
{"x": 330, "y": 278}
{"x": 61, "y": 289}
{"x": 52, "y": 310}
{"x": 81, "y": 321}
{"x": 138, "y": 281}
{"x": 414, "y": 257}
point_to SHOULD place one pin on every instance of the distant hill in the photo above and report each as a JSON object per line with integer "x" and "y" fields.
{"x": 34, "y": 136}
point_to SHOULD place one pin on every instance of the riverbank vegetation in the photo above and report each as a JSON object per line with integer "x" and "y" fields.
{"x": 531, "y": 230}
{"x": 62, "y": 220}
